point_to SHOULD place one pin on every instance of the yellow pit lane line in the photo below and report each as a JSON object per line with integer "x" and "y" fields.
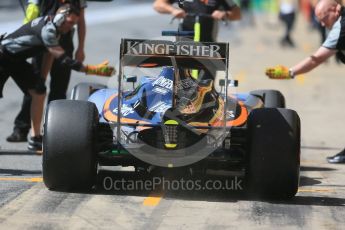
{"x": 33, "y": 179}
{"x": 307, "y": 48}
{"x": 153, "y": 199}
{"x": 300, "y": 79}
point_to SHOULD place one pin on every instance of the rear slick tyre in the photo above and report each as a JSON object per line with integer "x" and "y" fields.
{"x": 273, "y": 159}
{"x": 69, "y": 145}
{"x": 271, "y": 98}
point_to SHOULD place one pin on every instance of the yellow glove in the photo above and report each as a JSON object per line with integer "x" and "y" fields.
{"x": 279, "y": 72}
{"x": 101, "y": 70}
{"x": 32, "y": 12}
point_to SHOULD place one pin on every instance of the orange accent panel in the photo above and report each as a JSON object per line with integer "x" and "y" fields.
{"x": 237, "y": 122}
{"x": 241, "y": 119}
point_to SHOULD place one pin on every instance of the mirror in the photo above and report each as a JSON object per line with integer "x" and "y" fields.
{"x": 131, "y": 79}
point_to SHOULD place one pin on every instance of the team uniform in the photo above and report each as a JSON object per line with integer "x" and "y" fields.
{"x": 209, "y": 26}
{"x": 60, "y": 74}
{"x": 336, "y": 41}
{"x": 29, "y": 40}
{"x": 336, "y": 37}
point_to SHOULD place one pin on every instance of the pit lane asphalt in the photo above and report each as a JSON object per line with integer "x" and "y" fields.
{"x": 317, "y": 97}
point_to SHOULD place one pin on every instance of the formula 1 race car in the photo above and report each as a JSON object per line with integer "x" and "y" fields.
{"x": 173, "y": 115}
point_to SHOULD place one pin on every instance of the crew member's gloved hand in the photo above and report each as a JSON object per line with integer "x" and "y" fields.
{"x": 279, "y": 72}
{"x": 101, "y": 70}
{"x": 32, "y": 12}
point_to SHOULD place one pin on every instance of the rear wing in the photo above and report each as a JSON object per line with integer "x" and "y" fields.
{"x": 187, "y": 54}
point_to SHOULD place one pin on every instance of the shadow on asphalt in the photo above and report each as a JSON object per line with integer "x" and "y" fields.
{"x": 18, "y": 172}
{"x": 320, "y": 148}
{"x": 307, "y": 181}
{"x": 312, "y": 168}
{"x": 314, "y": 201}
{"x": 228, "y": 194}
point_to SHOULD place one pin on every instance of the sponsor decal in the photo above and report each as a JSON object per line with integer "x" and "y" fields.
{"x": 173, "y": 49}
{"x": 186, "y": 84}
{"x": 164, "y": 83}
{"x": 160, "y": 107}
{"x": 160, "y": 90}
{"x": 136, "y": 104}
{"x": 125, "y": 110}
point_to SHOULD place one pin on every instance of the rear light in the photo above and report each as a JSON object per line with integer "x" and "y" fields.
{"x": 170, "y": 130}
